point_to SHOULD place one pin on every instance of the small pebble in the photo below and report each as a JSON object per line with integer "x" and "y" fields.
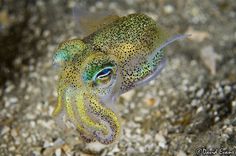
{"x": 9, "y": 88}
{"x": 181, "y": 153}
{"x": 4, "y": 130}
{"x": 47, "y": 144}
{"x": 162, "y": 144}
{"x": 13, "y": 100}
{"x": 234, "y": 122}
{"x": 200, "y": 93}
{"x": 99, "y": 4}
{"x": 12, "y": 148}
{"x": 59, "y": 142}
{"x": 199, "y": 109}
{"x": 114, "y": 150}
{"x": 66, "y": 148}
{"x": 58, "y": 152}
{"x": 168, "y": 9}
{"x": 130, "y": 150}
{"x": 138, "y": 118}
{"x": 160, "y": 138}
{"x": 13, "y": 133}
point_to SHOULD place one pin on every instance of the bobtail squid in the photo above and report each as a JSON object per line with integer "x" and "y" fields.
{"x": 93, "y": 72}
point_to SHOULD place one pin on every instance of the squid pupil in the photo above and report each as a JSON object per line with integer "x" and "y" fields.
{"x": 104, "y": 73}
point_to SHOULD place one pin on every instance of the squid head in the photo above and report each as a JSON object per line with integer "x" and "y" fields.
{"x": 88, "y": 82}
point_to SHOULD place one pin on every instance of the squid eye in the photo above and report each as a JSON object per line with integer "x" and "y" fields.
{"x": 104, "y": 77}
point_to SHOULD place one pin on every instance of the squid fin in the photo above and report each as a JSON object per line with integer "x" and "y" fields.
{"x": 90, "y": 22}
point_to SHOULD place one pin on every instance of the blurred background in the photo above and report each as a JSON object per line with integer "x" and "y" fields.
{"x": 192, "y": 104}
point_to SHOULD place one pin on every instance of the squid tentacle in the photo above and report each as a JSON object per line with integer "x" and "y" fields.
{"x": 71, "y": 115}
{"x": 59, "y": 112}
{"x": 59, "y": 107}
{"x": 86, "y": 120}
{"x": 166, "y": 43}
{"x": 107, "y": 117}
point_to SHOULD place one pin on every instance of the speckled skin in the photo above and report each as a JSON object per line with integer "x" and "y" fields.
{"x": 94, "y": 71}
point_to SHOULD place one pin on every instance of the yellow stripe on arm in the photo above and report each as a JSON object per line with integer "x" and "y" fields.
{"x": 58, "y": 107}
{"x": 71, "y": 115}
